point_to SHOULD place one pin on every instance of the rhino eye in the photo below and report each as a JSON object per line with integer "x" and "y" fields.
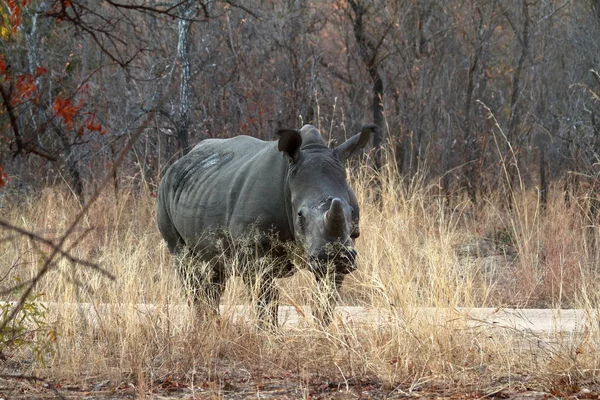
{"x": 301, "y": 219}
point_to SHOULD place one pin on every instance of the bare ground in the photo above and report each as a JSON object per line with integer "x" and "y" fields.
{"x": 287, "y": 385}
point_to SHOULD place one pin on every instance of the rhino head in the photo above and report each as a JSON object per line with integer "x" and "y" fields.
{"x": 323, "y": 209}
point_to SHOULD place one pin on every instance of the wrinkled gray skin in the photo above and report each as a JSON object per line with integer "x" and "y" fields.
{"x": 227, "y": 191}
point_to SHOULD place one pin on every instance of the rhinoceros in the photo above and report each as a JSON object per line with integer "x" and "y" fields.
{"x": 258, "y": 197}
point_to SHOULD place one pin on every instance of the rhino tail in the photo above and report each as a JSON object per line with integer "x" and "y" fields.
{"x": 165, "y": 225}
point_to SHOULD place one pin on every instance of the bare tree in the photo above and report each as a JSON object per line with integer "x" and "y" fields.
{"x": 369, "y": 53}
{"x": 415, "y": 68}
{"x": 189, "y": 11}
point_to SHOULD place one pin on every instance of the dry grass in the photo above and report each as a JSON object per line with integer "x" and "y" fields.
{"x": 415, "y": 252}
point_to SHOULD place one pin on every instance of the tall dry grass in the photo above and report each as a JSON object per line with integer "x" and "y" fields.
{"x": 415, "y": 252}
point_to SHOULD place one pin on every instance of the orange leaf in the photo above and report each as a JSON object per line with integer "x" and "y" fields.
{"x": 3, "y": 177}
{"x": 40, "y": 71}
{"x": 26, "y": 88}
{"x": 15, "y": 14}
{"x": 65, "y": 110}
{"x": 92, "y": 126}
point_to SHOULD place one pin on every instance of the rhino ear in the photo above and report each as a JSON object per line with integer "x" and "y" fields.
{"x": 289, "y": 143}
{"x": 355, "y": 144}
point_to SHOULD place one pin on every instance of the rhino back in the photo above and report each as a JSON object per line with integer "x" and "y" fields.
{"x": 226, "y": 184}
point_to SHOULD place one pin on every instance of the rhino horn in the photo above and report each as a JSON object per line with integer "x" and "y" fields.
{"x": 334, "y": 219}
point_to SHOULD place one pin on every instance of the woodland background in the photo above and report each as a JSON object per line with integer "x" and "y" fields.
{"x": 480, "y": 189}
{"x": 459, "y": 87}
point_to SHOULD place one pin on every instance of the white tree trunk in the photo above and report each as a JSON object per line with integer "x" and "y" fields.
{"x": 188, "y": 13}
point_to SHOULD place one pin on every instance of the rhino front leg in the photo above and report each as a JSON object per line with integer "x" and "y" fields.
{"x": 326, "y": 296}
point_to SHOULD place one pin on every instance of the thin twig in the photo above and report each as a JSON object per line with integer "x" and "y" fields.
{"x": 65, "y": 254}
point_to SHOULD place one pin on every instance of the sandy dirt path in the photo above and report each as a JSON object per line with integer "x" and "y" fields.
{"x": 538, "y": 321}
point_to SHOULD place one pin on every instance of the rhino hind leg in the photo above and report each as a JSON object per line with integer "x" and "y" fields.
{"x": 266, "y": 297}
{"x": 268, "y": 303}
{"x": 208, "y": 297}
{"x": 204, "y": 282}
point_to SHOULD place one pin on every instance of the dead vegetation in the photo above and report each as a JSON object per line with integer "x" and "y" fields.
{"x": 415, "y": 251}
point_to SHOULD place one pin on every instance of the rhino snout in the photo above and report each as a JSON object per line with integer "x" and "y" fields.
{"x": 341, "y": 256}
